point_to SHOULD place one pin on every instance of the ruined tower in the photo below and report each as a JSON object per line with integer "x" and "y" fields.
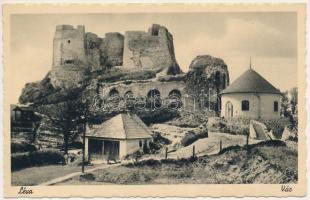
{"x": 152, "y": 50}
{"x": 69, "y": 58}
{"x": 69, "y": 45}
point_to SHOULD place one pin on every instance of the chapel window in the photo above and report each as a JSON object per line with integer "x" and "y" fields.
{"x": 275, "y": 106}
{"x": 245, "y": 105}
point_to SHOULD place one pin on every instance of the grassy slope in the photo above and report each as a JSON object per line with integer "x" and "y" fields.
{"x": 37, "y": 175}
{"x": 259, "y": 164}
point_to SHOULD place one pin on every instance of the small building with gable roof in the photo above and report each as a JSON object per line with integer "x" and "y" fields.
{"x": 117, "y": 137}
{"x": 251, "y": 96}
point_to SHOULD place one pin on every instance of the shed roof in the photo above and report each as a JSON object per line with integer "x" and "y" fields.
{"x": 251, "y": 82}
{"x": 122, "y": 126}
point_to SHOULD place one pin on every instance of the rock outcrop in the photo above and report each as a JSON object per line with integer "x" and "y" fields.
{"x": 33, "y": 92}
{"x": 206, "y": 78}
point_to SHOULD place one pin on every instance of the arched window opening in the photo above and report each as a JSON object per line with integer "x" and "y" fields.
{"x": 175, "y": 99}
{"x": 175, "y": 94}
{"x": 275, "y": 106}
{"x": 113, "y": 93}
{"x": 154, "y": 99}
{"x": 153, "y": 94}
{"x": 245, "y": 105}
{"x": 128, "y": 95}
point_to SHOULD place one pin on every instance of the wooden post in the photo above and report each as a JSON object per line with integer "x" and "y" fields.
{"x": 166, "y": 153}
{"x": 83, "y": 156}
{"x": 193, "y": 151}
{"x": 220, "y": 146}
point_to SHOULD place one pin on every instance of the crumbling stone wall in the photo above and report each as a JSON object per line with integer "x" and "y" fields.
{"x": 149, "y": 50}
{"x": 141, "y": 89}
{"x": 113, "y": 46}
{"x": 69, "y": 76}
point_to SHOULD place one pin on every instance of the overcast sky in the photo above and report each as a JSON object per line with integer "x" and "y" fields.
{"x": 269, "y": 38}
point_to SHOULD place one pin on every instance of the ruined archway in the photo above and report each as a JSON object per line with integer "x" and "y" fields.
{"x": 129, "y": 95}
{"x": 154, "y": 99}
{"x": 114, "y": 93}
{"x": 175, "y": 99}
{"x": 153, "y": 94}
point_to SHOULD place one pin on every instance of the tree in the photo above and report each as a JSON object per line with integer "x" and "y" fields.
{"x": 285, "y": 104}
{"x": 294, "y": 100}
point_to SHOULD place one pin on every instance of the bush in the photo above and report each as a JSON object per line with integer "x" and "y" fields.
{"x": 192, "y": 136}
{"x": 135, "y": 155}
{"x": 36, "y": 158}
{"x": 87, "y": 177}
{"x": 17, "y": 147}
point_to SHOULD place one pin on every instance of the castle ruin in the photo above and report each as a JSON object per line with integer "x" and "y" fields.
{"x": 78, "y": 54}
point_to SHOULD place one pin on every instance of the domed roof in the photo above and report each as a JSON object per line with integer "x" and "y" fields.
{"x": 251, "y": 82}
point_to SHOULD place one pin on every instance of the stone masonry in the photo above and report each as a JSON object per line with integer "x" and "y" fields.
{"x": 138, "y": 50}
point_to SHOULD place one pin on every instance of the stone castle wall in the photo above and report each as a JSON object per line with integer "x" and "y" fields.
{"x": 68, "y": 76}
{"x": 113, "y": 47}
{"x": 141, "y": 89}
{"x": 149, "y": 50}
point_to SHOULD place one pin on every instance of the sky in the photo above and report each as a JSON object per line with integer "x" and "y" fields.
{"x": 269, "y": 38}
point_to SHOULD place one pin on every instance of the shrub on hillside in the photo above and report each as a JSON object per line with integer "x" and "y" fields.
{"x": 194, "y": 135}
{"x": 158, "y": 142}
{"x": 17, "y": 147}
{"x": 36, "y": 158}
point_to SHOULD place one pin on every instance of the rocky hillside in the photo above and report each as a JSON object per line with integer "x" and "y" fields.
{"x": 67, "y": 104}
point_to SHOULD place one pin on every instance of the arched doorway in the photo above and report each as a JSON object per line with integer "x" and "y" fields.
{"x": 175, "y": 99}
{"x": 229, "y": 109}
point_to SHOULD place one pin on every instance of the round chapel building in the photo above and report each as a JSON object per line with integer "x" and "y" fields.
{"x": 251, "y": 96}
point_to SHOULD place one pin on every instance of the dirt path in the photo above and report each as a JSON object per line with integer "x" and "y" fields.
{"x": 69, "y": 176}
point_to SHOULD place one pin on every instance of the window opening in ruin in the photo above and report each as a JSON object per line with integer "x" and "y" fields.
{"x": 275, "y": 106}
{"x": 128, "y": 95}
{"x": 155, "y": 32}
{"x": 69, "y": 41}
{"x": 154, "y": 99}
{"x": 114, "y": 93}
{"x": 69, "y": 61}
{"x": 245, "y": 105}
{"x": 175, "y": 99}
